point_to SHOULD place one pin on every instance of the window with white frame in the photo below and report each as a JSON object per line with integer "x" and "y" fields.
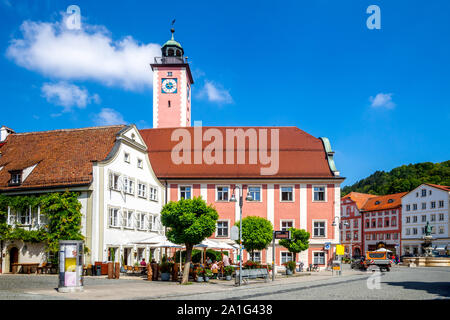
{"x": 433, "y": 217}
{"x": 150, "y": 222}
{"x": 126, "y": 157}
{"x": 355, "y": 223}
{"x": 140, "y": 163}
{"x": 408, "y": 207}
{"x": 414, "y": 230}
{"x": 355, "y": 235}
{"x": 255, "y": 192}
{"x": 319, "y": 193}
{"x": 348, "y": 236}
{"x": 287, "y": 193}
{"x": 222, "y": 193}
{"x": 153, "y": 191}
{"x": 256, "y": 256}
{"x": 414, "y": 206}
{"x": 367, "y": 236}
{"x": 128, "y": 218}
{"x": 114, "y": 181}
{"x": 388, "y": 236}
{"x": 408, "y": 219}
{"x": 11, "y": 217}
{"x": 114, "y": 215}
{"x": 433, "y": 230}
{"x": 24, "y": 217}
{"x": 433, "y": 204}
{"x": 319, "y": 229}
{"x": 185, "y": 192}
{"x": 408, "y": 231}
{"x": 142, "y": 190}
{"x": 394, "y": 222}
{"x": 222, "y": 228}
{"x": 415, "y": 219}
{"x": 142, "y": 219}
{"x": 424, "y": 218}
{"x": 441, "y": 217}
{"x": 286, "y": 224}
{"x": 441, "y": 203}
{"x": 441, "y": 229}
{"x": 424, "y": 192}
{"x": 128, "y": 185}
{"x": 374, "y": 236}
{"x": 424, "y": 205}
{"x": 395, "y": 236}
{"x": 16, "y": 178}
{"x": 381, "y": 236}
{"x": 319, "y": 258}
{"x": 286, "y": 257}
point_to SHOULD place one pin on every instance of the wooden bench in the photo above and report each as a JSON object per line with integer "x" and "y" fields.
{"x": 252, "y": 274}
{"x": 25, "y": 267}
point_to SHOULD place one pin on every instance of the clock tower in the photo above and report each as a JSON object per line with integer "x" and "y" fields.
{"x": 172, "y": 80}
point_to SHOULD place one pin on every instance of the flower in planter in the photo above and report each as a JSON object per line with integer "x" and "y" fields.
{"x": 208, "y": 273}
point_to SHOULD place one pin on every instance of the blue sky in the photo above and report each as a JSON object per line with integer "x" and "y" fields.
{"x": 382, "y": 97}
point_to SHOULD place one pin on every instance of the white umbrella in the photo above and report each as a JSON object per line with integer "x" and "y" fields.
{"x": 383, "y": 250}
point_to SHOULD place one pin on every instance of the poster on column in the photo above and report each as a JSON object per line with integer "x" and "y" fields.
{"x": 70, "y": 265}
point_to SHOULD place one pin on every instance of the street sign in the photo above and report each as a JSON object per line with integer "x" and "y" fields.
{"x": 285, "y": 234}
{"x": 327, "y": 245}
{"x": 234, "y": 233}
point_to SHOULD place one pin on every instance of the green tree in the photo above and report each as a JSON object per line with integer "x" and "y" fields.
{"x": 299, "y": 241}
{"x": 189, "y": 222}
{"x": 257, "y": 233}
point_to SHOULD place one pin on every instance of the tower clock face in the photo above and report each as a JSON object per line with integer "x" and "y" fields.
{"x": 169, "y": 85}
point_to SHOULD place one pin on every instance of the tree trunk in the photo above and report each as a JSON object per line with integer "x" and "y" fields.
{"x": 187, "y": 264}
{"x": 253, "y": 255}
{"x": 295, "y": 260}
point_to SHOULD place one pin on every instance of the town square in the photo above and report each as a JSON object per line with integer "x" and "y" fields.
{"x": 289, "y": 153}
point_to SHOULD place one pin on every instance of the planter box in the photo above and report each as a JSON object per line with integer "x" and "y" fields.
{"x": 165, "y": 276}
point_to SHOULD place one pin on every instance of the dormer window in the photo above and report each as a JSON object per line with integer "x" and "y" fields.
{"x": 16, "y": 178}
{"x": 377, "y": 202}
{"x": 390, "y": 200}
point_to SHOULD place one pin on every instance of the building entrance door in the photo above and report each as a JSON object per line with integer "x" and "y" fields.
{"x": 13, "y": 257}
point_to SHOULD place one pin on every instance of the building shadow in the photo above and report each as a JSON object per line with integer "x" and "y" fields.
{"x": 438, "y": 288}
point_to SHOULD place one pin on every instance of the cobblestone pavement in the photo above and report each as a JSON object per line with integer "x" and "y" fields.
{"x": 400, "y": 283}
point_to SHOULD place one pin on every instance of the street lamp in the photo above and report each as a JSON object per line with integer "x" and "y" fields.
{"x": 339, "y": 219}
{"x": 241, "y": 202}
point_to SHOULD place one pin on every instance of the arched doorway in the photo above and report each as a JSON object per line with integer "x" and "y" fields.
{"x": 356, "y": 252}
{"x": 13, "y": 257}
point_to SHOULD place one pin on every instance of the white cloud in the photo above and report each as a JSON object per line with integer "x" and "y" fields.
{"x": 108, "y": 117}
{"x": 382, "y": 100}
{"x": 87, "y": 54}
{"x": 215, "y": 93}
{"x": 68, "y": 95}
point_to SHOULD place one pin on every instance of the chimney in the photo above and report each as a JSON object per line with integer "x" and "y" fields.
{"x": 4, "y": 132}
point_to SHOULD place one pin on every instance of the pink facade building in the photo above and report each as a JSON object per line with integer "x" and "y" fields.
{"x": 290, "y": 174}
{"x": 351, "y": 222}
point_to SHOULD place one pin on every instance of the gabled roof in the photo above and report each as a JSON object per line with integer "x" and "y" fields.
{"x": 63, "y": 157}
{"x": 389, "y": 201}
{"x": 300, "y": 156}
{"x": 359, "y": 198}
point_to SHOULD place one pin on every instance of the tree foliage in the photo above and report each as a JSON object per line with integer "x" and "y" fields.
{"x": 299, "y": 241}
{"x": 189, "y": 222}
{"x": 402, "y": 179}
{"x": 257, "y": 233}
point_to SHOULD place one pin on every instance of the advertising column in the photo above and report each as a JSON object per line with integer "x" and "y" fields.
{"x": 70, "y": 266}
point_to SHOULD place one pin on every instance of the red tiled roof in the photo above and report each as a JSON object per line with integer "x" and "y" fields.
{"x": 301, "y": 156}
{"x": 63, "y": 157}
{"x": 371, "y": 204}
{"x": 359, "y": 198}
{"x": 445, "y": 188}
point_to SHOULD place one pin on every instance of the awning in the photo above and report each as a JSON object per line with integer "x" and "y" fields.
{"x": 440, "y": 247}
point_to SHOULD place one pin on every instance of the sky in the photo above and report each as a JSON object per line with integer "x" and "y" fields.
{"x": 381, "y": 96}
